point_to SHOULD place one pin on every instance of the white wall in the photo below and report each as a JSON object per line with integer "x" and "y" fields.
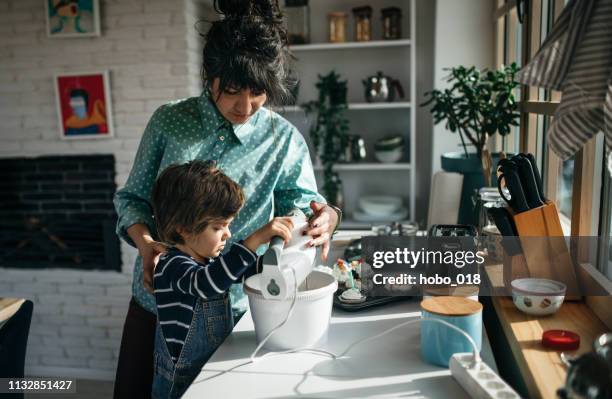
{"x": 149, "y": 48}
{"x": 464, "y": 36}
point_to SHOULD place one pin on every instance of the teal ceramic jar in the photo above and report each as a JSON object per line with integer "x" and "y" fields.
{"x": 438, "y": 341}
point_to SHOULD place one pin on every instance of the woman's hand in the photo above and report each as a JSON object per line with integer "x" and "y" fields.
{"x": 279, "y": 226}
{"x": 150, "y": 252}
{"x": 321, "y": 226}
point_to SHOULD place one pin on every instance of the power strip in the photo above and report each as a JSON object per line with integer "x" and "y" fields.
{"x": 479, "y": 380}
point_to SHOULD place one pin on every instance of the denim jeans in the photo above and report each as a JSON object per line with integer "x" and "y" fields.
{"x": 211, "y": 324}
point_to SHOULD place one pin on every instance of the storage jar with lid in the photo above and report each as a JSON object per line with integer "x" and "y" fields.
{"x": 363, "y": 23}
{"x": 297, "y": 17}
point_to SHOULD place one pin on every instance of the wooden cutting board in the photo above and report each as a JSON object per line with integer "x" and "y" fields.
{"x": 546, "y": 258}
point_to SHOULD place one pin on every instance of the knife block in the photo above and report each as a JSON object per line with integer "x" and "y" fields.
{"x": 544, "y": 251}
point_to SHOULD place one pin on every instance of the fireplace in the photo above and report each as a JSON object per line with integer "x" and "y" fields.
{"x": 57, "y": 212}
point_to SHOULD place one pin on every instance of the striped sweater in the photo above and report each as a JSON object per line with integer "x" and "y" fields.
{"x": 179, "y": 281}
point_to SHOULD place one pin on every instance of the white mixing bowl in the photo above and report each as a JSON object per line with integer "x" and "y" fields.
{"x": 309, "y": 322}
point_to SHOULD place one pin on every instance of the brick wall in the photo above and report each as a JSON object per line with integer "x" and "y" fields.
{"x": 151, "y": 49}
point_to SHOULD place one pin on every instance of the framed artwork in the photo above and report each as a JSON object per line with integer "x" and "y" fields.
{"x": 72, "y": 18}
{"x": 83, "y": 105}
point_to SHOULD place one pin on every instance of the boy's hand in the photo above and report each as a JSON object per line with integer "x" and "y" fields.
{"x": 279, "y": 226}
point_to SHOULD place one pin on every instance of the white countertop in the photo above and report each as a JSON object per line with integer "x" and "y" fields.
{"x": 387, "y": 367}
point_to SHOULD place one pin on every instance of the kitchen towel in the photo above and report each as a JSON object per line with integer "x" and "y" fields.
{"x": 576, "y": 58}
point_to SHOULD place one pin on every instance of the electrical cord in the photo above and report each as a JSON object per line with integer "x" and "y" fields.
{"x": 322, "y": 352}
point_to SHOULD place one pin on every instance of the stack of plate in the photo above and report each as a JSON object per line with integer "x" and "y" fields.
{"x": 380, "y": 208}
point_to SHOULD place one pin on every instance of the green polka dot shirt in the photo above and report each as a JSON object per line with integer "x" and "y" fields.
{"x": 267, "y": 156}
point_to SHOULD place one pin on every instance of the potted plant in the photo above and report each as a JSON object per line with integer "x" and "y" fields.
{"x": 477, "y": 105}
{"x": 329, "y": 133}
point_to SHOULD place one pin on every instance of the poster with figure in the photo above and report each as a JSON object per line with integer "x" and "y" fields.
{"x": 83, "y": 105}
{"x": 73, "y": 18}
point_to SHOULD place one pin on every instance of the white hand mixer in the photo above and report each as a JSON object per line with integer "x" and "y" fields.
{"x": 281, "y": 262}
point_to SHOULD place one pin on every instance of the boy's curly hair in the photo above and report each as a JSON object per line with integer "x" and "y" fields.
{"x": 190, "y": 197}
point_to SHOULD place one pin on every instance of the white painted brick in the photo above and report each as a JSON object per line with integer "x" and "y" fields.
{"x": 158, "y": 43}
{"x": 175, "y": 81}
{"x": 86, "y": 351}
{"x": 37, "y": 329}
{"x": 159, "y": 6}
{"x": 16, "y": 87}
{"x": 128, "y": 105}
{"x": 105, "y": 321}
{"x": 177, "y": 31}
{"x": 47, "y": 309}
{"x": 124, "y": 8}
{"x": 102, "y": 364}
{"x": 36, "y": 122}
{"x": 59, "y": 299}
{"x": 34, "y": 288}
{"x": 105, "y": 278}
{"x": 124, "y": 290}
{"x": 14, "y": 17}
{"x": 139, "y": 119}
{"x": 57, "y": 276}
{"x": 62, "y": 320}
{"x": 86, "y": 310}
{"x": 46, "y": 350}
{"x": 63, "y": 361}
{"x": 119, "y": 311}
{"x": 83, "y": 289}
{"x": 10, "y": 147}
{"x": 104, "y": 300}
{"x": 128, "y": 134}
{"x": 125, "y": 33}
{"x": 82, "y": 331}
{"x": 66, "y": 342}
{"x": 101, "y": 145}
{"x": 146, "y": 94}
{"x": 5, "y": 288}
{"x": 131, "y": 144}
{"x": 151, "y": 69}
{"x": 46, "y": 146}
{"x": 115, "y": 333}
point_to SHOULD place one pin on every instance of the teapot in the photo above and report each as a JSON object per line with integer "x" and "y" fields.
{"x": 381, "y": 88}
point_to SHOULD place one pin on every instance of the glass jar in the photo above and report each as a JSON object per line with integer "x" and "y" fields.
{"x": 337, "y": 27}
{"x": 363, "y": 23}
{"x": 391, "y": 23}
{"x": 297, "y": 17}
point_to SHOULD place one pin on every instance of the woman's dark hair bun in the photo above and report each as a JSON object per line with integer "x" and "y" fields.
{"x": 248, "y": 48}
{"x": 266, "y": 9}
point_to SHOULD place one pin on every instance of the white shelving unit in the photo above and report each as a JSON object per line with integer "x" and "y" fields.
{"x": 350, "y": 45}
{"x": 355, "y": 61}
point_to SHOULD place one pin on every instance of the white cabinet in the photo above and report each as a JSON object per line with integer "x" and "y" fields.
{"x": 355, "y": 61}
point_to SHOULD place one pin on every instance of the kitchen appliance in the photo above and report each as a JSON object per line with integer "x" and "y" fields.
{"x": 589, "y": 375}
{"x": 381, "y": 88}
{"x": 290, "y": 303}
{"x": 285, "y": 267}
{"x": 292, "y": 323}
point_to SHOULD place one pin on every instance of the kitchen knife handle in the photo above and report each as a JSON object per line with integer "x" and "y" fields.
{"x": 528, "y": 182}
{"x": 517, "y": 201}
{"x": 536, "y": 175}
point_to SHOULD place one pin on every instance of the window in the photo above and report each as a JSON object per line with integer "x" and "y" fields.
{"x": 575, "y": 185}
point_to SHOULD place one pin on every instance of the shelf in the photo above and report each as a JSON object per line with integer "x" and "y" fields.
{"x": 366, "y": 166}
{"x": 353, "y": 106}
{"x": 350, "y": 45}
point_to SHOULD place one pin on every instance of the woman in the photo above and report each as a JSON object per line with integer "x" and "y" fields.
{"x": 244, "y": 66}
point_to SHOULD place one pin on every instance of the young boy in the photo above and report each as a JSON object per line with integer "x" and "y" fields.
{"x": 194, "y": 204}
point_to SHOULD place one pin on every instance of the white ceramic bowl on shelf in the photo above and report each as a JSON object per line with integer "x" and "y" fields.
{"x": 389, "y": 156}
{"x": 380, "y": 205}
{"x": 537, "y": 296}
